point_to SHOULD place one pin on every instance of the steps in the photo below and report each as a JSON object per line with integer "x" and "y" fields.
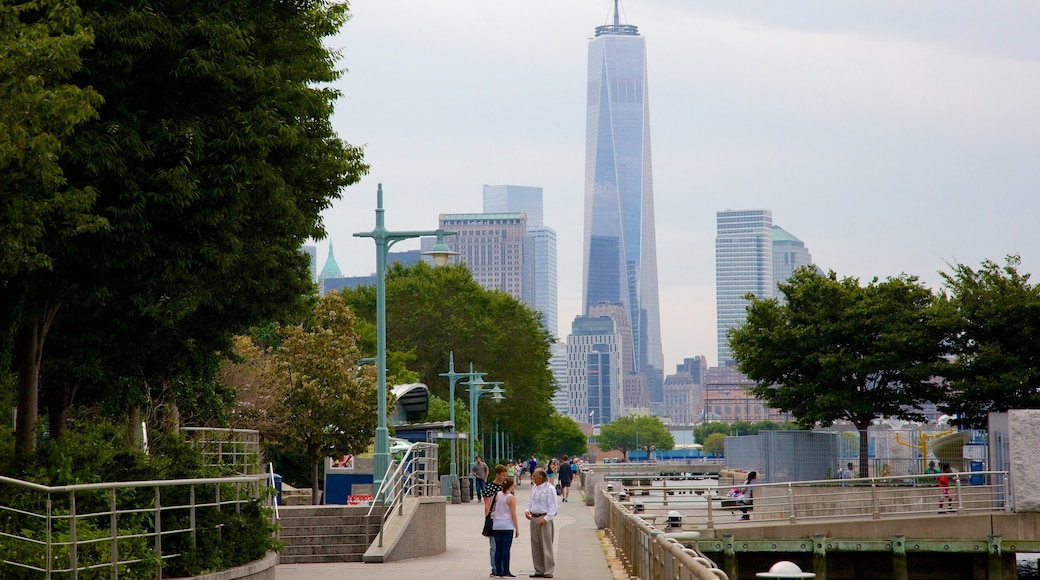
{"x": 327, "y": 533}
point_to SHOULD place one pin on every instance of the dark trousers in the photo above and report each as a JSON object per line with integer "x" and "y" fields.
{"x": 503, "y": 543}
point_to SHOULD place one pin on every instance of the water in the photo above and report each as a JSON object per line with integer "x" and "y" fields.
{"x": 1027, "y": 567}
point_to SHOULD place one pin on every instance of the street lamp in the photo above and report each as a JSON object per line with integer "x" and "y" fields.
{"x": 384, "y": 240}
{"x": 453, "y": 377}
{"x": 477, "y": 387}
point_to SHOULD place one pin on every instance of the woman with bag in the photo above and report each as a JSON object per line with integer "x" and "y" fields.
{"x": 505, "y": 527}
{"x": 746, "y": 500}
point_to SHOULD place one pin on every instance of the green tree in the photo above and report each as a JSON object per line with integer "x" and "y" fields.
{"x": 704, "y": 430}
{"x": 212, "y": 160}
{"x": 628, "y": 433}
{"x": 558, "y": 436}
{"x": 836, "y": 350}
{"x": 314, "y": 398}
{"x": 715, "y": 444}
{"x": 433, "y": 311}
{"x": 995, "y": 313}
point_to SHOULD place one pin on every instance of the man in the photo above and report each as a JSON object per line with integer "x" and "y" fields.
{"x": 845, "y": 474}
{"x": 490, "y": 491}
{"x": 566, "y": 476}
{"x": 532, "y": 465}
{"x": 480, "y": 474}
{"x": 541, "y": 509}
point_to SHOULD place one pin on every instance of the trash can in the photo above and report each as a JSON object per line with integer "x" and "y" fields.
{"x": 278, "y": 487}
{"x": 977, "y": 479}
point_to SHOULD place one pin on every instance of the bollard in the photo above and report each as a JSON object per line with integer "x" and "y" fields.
{"x": 674, "y": 520}
{"x": 784, "y": 570}
{"x": 638, "y": 508}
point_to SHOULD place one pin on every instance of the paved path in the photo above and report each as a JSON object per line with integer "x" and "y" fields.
{"x": 579, "y": 552}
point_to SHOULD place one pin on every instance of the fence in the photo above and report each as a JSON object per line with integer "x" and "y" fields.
{"x": 653, "y": 554}
{"x": 235, "y": 449}
{"x": 702, "y": 502}
{"x": 127, "y": 528}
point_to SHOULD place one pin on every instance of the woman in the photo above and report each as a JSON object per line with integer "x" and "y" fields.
{"x": 505, "y": 527}
{"x": 511, "y": 470}
{"x": 553, "y": 467}
{"x": 746, "y": 498}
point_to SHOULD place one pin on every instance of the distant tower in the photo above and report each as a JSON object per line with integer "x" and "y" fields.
{"x": 311, "y": 251}
{"x": 743, "y": 264}
{"x": 492, "y": 246}
{"x": 620, "y": 248}
{"x": 594, "y": 376}
{"x": 331, "y": 268}
{"x": 789, "y": 254}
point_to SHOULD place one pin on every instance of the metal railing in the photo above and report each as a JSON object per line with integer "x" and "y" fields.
{"x": 650, "y": 553}
{"x": 69, "y": 530}
{"x": 235, "y": 449}
{"x": 704, "y": 503}
{"x": 414, "y": 476}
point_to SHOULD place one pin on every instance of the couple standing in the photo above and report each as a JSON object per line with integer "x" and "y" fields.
{"x": 541, "y": 509}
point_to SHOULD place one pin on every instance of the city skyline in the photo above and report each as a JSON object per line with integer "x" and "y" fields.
{"x": 888, "y": 137}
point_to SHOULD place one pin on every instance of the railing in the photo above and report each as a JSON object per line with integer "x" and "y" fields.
{"x": 236, "y": 449}
{"x": 414, "y": 476}
{"x": 652, "y": 554}
{"x": 703, "y": 502}
{"x": 69, "y": 530}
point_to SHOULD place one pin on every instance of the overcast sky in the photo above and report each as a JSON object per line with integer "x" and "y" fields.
{"x": 889, "y": 136}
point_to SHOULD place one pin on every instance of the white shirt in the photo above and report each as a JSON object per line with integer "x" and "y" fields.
{"x": 543, "y": 501}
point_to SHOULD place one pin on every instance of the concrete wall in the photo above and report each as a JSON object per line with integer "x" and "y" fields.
{"x": 259, "y": 570}
{"x": 1024, "y": 441}
{"x": 417, "y": 533}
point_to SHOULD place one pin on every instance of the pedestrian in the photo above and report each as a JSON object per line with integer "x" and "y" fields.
{"x": 490, "y": 492}
{"x": 520, "y": 470}
{"x": 746, "y": 499}
{"x": 932, "y": 470}
{"x": 541, "y": 509}
{"x": 945, "y": 478}
{"x": 845, "y": 474}
{"x": 566, "y": 476}
{"x": 511, "y": 470}
{"x": 532, "y": 465}
{"x": 505, "y": 527}
{"x": 551, "y": 471}
{"x": 480, "y": 475}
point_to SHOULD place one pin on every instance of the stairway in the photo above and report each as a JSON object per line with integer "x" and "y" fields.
{"x": 326, "y": 533}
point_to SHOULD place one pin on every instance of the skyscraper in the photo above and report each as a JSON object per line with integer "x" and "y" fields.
{"x": 743, "y": 264}
{"x": 620, "y": 253}
{"x": 492, "y": 246}
{"x": 594, "y": 376}
{"x": 789, "y": 254}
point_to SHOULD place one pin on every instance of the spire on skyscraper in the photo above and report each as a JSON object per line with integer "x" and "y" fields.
{"x": 331, "y": 268}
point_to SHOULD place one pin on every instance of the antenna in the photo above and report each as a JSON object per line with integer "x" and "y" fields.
{"x": 617, "y": 21}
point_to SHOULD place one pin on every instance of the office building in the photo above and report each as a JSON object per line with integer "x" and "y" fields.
{"x": 338, "y": 283}
{"x": 515, "y": 199}
{"x": 492, "y": 247}
{"x": 331, "y": 268}
{"x": 311, "y": 251}
{"x": 620, "y": 254}
{"x": 743, "y": 265}
{"x": 789, "y": 254}
{"x": 727, "y": 399}
{"x": 684, "y": 391}
{"x": 558, "y": 367}
{"x": 594, "y": 374}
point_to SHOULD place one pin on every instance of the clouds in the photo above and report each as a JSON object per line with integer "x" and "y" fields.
{"x": 890, "y": 137}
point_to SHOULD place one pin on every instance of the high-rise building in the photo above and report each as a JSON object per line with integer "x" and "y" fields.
{"x": 331, "y": 268}
{"x": 594, "y": 374}
{"x": 539, "y": 275}
{"x": 558, "y": 366}
{"x": 311, "y": 251}
{"x": 726, "y": 398}
{"x": 743, "y": 265}
{"x": 492, "y": 246}
{"x": 789, "y": 254}
{"x": 620, "y": 253}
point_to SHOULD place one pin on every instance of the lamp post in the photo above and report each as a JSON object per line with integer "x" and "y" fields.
{"x": 453, "y": 377}
{"x": 384, "y": 240}
{"x": 477, "y": 387}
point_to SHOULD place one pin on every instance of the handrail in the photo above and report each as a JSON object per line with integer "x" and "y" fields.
{"x": 411, "y": 476}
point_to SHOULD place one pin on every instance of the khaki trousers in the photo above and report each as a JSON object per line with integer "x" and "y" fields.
{"x": 542, "y": 547}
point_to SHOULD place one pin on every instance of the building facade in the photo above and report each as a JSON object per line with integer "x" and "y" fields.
{"x": 743, "y": 265}
{"x": 594, "y": 370}
{"x": 492, "y": 247}
{"x": 620, "y": 253}
{"x": 789, "y": 254}
{"x": 727, "y": 399}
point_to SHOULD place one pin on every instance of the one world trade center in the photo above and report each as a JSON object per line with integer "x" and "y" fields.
{"x": 620, "y": 253}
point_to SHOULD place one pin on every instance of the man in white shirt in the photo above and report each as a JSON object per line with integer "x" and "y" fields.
{"x": 541, "y": 509}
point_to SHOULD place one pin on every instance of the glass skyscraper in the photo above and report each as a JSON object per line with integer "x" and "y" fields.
{"x": 620, "y": 253}
{"x": 743, "y": 264}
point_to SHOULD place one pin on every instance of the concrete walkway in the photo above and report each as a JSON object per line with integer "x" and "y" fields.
{"x": 579, "y": 552}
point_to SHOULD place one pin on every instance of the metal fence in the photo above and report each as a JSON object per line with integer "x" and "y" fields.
{"x": 235, "y": 449}
{"x": 702, "y": 502}
{"x": 123, "y": 528}
{"x": 650, "y": 553}
{"x": 414, "y": 476}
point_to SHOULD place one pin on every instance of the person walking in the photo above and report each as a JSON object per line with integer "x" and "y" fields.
{"x": 945, "y": 478}
{"x": 480, "y": 475}
{"x": 550, "y": 470}
{"x": 541, "y": 509}
{"x": 746, "y": 500}
{"x": 566, "y": 476}
{"x": 490, "y": 493}
{"x": 505, "y": 527}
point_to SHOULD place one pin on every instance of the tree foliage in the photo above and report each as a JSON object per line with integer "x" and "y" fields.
{"x": 308, "y": 394}
{"x": 431, "y": 312}
{"x": 996, "y": 340}
{"x": 558, "y": 436}
{"x": 715, "y": 444}
{"x": 836, "y": 350}
{"x": 629, "y": 433}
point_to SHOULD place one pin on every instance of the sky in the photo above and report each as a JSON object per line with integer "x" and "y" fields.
{"x": 891, "y": 137}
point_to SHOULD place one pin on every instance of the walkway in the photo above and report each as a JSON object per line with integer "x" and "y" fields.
{"x": 579, "y": 552}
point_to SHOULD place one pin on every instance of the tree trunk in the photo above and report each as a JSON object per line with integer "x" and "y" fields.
{"x": 315, "y": 492}
{"x": 864, "y": 449}
{"x": 29, "y": 356}
{"x": 59, "y": 401}
{"x": 133, "y": 427}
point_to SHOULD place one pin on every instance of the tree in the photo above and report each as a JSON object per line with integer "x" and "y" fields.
{"x": 212, "y": 160}
{"x": 995, "y": 315}
{"x": 704, "y": 430}
{"x": 836, "y": 350}
{"x": 433, "y": 311}
{"x": 715, "y": 444}
{"x": 309, "y": 390}
{"x": 627, "y": 433}
{"x": 559, "y": 436}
